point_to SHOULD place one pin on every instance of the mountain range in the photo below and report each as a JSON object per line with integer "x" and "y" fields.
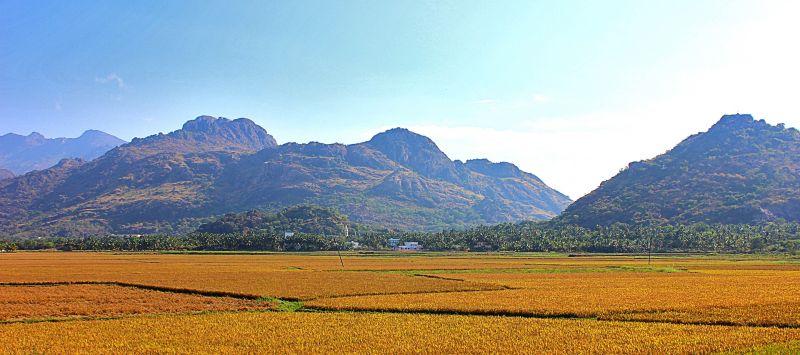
{"x": 211, "y": 166}
{"x": 741, "y": 170}
{"x": 21, "y": 154}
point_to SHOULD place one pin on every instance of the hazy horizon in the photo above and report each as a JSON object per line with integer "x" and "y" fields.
{"x": 571, "y": 91}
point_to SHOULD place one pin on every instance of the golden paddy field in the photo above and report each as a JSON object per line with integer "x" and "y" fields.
{"x": 68, "y": 302}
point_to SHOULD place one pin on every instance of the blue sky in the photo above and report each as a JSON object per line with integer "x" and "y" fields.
{"x": 569, "y": 90}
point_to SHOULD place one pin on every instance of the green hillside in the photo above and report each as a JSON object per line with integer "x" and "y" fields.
{"x": 739, "y": 171}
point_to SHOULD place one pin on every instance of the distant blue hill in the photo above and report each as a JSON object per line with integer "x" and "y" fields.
{"x": 21, "y": 154}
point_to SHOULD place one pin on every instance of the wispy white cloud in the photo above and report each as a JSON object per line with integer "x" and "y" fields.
{"x": 111, "y": 78}
{"x": 750, "y": 70}
{"x": 540, "y": 98}
{"x": 573, "y": 154}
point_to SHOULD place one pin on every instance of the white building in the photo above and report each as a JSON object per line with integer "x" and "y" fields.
{"x": 410, "y": 246}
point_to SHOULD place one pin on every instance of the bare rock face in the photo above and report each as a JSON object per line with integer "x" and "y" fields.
{"x": 205, "y": 134}
{"x": 414, "y": 151}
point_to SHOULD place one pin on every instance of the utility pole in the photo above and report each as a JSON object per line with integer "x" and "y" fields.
{"x": 346, "y": 235}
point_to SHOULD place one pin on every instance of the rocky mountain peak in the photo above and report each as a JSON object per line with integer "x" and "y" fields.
{"x": 403, "y": 137}
{"x": 205, "y": 134}
{"x": 205, "y": 124}
{"x": 737, "y": 122}
{"x": 415, "y": 151}
{"x": 241, "y": 130}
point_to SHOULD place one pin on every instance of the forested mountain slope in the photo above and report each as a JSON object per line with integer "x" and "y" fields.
{"x": 739, "y": 171}
{"x": 212, "y": 166}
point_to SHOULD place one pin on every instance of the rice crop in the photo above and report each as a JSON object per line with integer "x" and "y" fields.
{"x": 82, "y": 301}
{"x": 377, "y": 333}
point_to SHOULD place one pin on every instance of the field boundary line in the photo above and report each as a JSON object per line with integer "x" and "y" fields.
{"x": 717, "y": 323}
{"x": 297, "y": 305}
{"x": 128, "y": 316}
{"x": 229, "y": 294}
{"x": 522, "y": 314}
{"x": 443, "y": 278}
{"x": 139, "y": 286}
{"x": 548, "y": 269}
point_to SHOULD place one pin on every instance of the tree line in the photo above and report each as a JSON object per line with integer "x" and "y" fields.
{"x": 524, "y": 237}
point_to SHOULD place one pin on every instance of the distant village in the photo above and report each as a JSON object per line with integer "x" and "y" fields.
{"x": 394, "y": 243}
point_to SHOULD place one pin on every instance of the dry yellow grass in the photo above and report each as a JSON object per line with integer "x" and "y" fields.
{"x": 305, "y": 285}
{"x": 775, "y": 285}
{"x": 285, "y": 276}
{"x": 262, "y": 262}
{"x": 377, "y": 333}
{"x": 769, "y": 298}
{"x": 779, "y": 314}
{"x": 708, "y": 290}
{"x": 76, "y": 301}
{"x": 31, "y": 264}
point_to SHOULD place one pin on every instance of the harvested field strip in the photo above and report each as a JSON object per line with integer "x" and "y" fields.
{"x": 368, "y": 332}
{"x": 243, "y": 275}
{"x": 453, "y": 312}
{"x": 69, "y": 301}
{"x": 212, "y": 293}
{"x": 785, "y": 315}
{"x": 139, "y": 286}
{"x": 686, "y": 318}
{"x": 528, "y": 270}
{"x": 400, "y": 293}
{"x": 775, "y": 285}
{"x": 307, "y": 285}
{"x": 762, "y": 304}
{"x": 32, "y": 265}
{"x": 611, "y": 317}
